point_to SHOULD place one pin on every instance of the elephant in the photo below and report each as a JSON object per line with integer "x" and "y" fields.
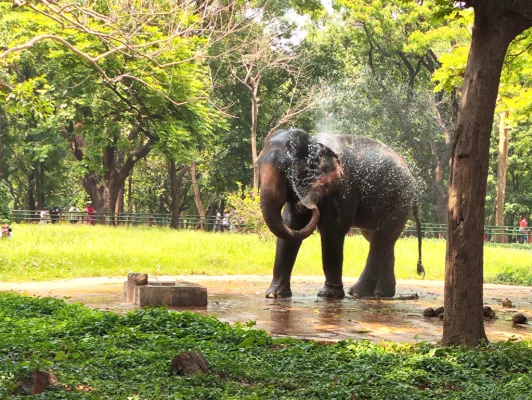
{"x": 334, "y": 183}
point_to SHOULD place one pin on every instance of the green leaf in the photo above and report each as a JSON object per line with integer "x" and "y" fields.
{"x": 437, "y": 351}
{"x": 247, "y": 342}
{"x": 60, "y": 356}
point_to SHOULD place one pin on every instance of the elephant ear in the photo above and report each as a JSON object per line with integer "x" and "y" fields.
{"x": 329, "y": 161}
{"x": 328, "y": 176}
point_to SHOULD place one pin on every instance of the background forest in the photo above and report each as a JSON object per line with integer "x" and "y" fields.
{"x": 162, "y": 107}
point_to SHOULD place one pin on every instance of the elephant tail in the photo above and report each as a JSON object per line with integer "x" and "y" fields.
{"x": 420, "y": 269}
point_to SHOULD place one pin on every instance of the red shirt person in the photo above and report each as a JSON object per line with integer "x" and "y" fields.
{"x": 90, "y": 212}
{"x": 522, "y": 230}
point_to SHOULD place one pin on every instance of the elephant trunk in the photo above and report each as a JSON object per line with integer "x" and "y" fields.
{"x": 273, "y": 198}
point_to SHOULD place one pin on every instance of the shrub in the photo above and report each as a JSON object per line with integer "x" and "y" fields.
{"x": 246, "y": 211}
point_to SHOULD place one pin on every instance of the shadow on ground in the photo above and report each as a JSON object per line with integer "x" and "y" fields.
{"x": 241, "y": 299}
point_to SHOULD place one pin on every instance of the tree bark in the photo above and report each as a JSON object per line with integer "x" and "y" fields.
{"x": 493, "y": 29}
{"x": 440, "y": 194}
{"x": 197, "y": 195}
{"x": 31, "y": 190}
{"x": 254, "y": 123}
{"x": 119, "y": 206}
{"x": 129, "y": 200}
{"x": 176, "y": 177}
{"x": 501, "y": 174}
{"x": 442, "y": 158}
{"x": 103, "y": 189}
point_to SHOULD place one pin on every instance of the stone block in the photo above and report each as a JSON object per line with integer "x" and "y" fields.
{"x": 133, "y": 279}
{"x": 170, "y": 294}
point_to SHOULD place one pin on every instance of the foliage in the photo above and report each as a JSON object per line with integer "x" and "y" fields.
{"x": 5, "y": 201}
{"x": 377, "y": 64}
{"x": 47, "y": 252}
{"x": 112, "y": 91}
{"x": 245, "y": 207}
{"x": 96, "y": 354}
{"x": 79, "y": 109}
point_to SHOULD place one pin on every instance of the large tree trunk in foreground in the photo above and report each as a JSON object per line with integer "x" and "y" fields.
{"x": 501, "y": 175}
{"x": 494, "y": 28}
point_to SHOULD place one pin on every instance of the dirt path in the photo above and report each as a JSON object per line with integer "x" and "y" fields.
{"x": 241, "y": 298}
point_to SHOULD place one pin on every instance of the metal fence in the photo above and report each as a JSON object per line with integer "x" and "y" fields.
{"x": 504, "y": 234}
{"x": 492, "y": 233}
{"x": 192, "y": 222}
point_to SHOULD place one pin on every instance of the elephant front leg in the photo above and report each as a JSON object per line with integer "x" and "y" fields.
{"x": 285, "y": 258}
{"x": 378, "y": 277}
{"x": 286, "y": 253}
{"x": 332, "y": 246}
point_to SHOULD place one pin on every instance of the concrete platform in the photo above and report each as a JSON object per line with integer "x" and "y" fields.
{"x": 141, "y": 291}
{"x": 171, "y": 294}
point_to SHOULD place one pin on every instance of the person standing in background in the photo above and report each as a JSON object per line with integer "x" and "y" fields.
{"x": 44, "y": 216}
{"x": 55, "y": 214}
{"x": 73, "y": 210}
{"x": 90, "y": 213}
{"x": 522, "y": 230}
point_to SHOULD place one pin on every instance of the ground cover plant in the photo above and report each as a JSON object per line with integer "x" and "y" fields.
{"x": 96, "y": 354}
{"x": 45, "y": 252}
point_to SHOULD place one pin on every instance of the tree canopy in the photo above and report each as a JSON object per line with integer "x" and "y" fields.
{"x": 102, "y": 101}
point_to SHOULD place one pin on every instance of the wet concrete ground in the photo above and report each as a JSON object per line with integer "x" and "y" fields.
{"x": 241, "y": 299}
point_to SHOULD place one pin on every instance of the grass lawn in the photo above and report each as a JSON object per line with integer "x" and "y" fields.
{"x": 46, "y": 252}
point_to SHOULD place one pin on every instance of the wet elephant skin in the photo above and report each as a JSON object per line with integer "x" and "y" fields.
{"x": 335, "y": 182}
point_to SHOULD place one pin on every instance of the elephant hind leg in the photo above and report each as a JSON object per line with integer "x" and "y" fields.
{"x": 378, "y": 277}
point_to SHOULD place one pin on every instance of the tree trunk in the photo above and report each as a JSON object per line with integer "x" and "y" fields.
{"x": 39, "y": 185}
{"x": 103, "y": 192}
{"x": 442, "y": 160}
{"x": 129, "y": 192}
{"x": 254, "y": 123}
{"x": 176, "y": 178}
{"x": 31, "y": 190}
{"x": 197, "y": 195}
{"x": 119, "y": 206}
{"x": 440, "y": 195}
{"x": 493, "y": 29}
{"x": 501, "y": 174}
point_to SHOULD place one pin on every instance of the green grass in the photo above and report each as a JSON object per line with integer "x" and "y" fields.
{"x": 101, "y": 355}
{"x": 44, "y": 252}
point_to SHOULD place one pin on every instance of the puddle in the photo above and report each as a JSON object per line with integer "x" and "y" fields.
{"x": 241, "y": 299}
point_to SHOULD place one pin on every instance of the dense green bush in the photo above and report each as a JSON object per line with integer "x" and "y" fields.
{"x": 245, "y": 207}
{"x": 97, "y": 354}
{"x": 520, "y": 276}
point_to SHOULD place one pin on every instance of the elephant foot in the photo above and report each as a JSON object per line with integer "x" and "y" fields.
{"x": 362, "y": 289}
{"x": 383, "y": 290}
{"x": 332, "y": 290}
{"x": 275, "y": 291}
